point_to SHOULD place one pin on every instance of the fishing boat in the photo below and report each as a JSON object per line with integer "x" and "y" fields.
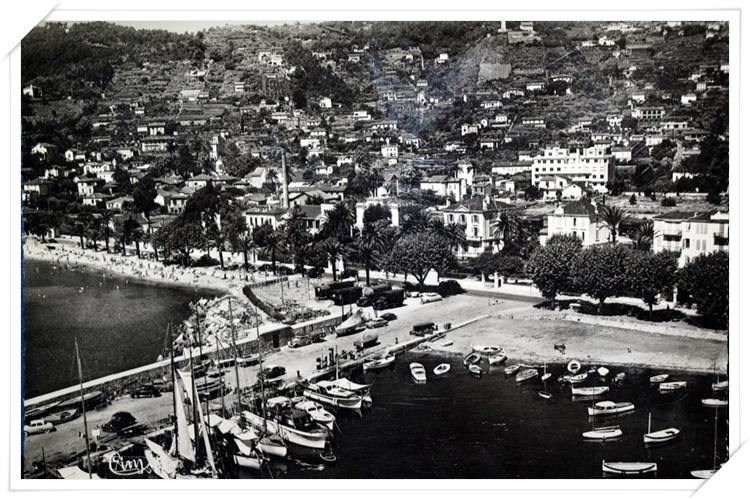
{"x": 351, "y": 324}
{"x": 574, "y": 366}
{"x": 628, "y": 468}
{"x": 661, "y": 436}
{"x": 527, "y": 374}
{"x": 247, "y": 457}
{"x": 60, "y": 417}
{"x": 472, "y": 359}
{"x": 361, "y": 390}
{"x": 709, "y": 473}
{"x": 39, "y": 411}
{"x": 497, "y": 358}
{"x": 603, "y": 433}
{"x": 656, "y": 379}
{"x": 588, "y": 391}
{"x": 475, "y": 370}
{"x": 317, "y": 412}
{"x": 378, "y": 362}
{"x": 441, "y": 369}
{"x": 577, "y": 379}
{"x": 418, "y": 373}
{"x": 512, "y": 369}
{"x": 672, "y": 386}
{"x": 602, "y": 371}
{"x": 487, "y": 350}
{"x": 609, "y": 408}
{"x": 292, "y": 425}
{"x": 333, "y": 395}
{"x": 715, "y": 402}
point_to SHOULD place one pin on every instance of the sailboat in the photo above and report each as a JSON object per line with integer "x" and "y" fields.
{"x": 709, "y": 473}
{"x": 545, "y": 394}
{"x": 660, "y": 436}
{"x": 546, "y": 375}
{"x": 180, "y": 460}
{"x": 73, "y": 471}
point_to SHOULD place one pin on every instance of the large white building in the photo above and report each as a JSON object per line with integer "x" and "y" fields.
{"x": 593, "y": 166}
{"x": 691, "y": 233}
{"x": 477, "y": 215}
{"x": 580, "y": 218}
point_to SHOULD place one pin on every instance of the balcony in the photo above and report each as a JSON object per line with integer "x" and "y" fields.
{"x": 672, "y": 237}
{"x": 720, "y": 240}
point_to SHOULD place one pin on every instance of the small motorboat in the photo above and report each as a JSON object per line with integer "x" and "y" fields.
{"x": 577, "y": 379}
{"x": 620, "y": 377}
{"x": 545, "y": 394}
{"x": 656, "y": 379}
{"x": 487, "y": 350}
{"x": 628, "y": 468}
{"x": 378, "y": 362}
{"x": 602, "y": 371}
{"x": 418, "y": 373}
{"x": 475, "y": 370}
{"x": 661, "y": 436}
{"x": 588, "y": 391}
{"x": 497, "y": 358}
{"x": 527, "y": 374}
{"x": 317, "y": 412}
{"x": 610, "y": 408}
{"x": 472, "y": 359}
{"x": 512, "y": 369}
{"x": 441, "y": 369}
{"x": 672, "y": 386}
{"x": 603, "y": 433}
{"x": 713, "y": 402}
{"x": 574, "y": 366}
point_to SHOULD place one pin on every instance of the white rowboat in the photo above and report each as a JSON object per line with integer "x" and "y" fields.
{"x": 603, "y": 433}
{"x": 628, "y": 468}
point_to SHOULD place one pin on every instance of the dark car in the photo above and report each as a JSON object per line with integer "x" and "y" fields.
{"x": 272, "y": 372}
{"x": 119, "y": 421}
{"x": 162, "y": 385}
{"x": 146, "y": 391}
{"x": 388, "y": 316}
{"x": 132, "y": 430}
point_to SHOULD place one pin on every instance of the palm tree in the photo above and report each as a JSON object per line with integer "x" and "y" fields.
{"x": 612, "y": 217}
{"x": 369, "y": 253}
{"x": 643, "y": 236}
{"x": 245, "y": 244}
{"x": 414, "y": 221}
{"x": 137, "y": 236}
{"x": 333, "y": 249}
{"x": 455, "y": 233}
{"x": 504, "y": 228}
{"x": 273, "y": 243}
{"x": 339, "y": 222}
{"x": 105, "y": 229}
{"x": 272, "y": 177}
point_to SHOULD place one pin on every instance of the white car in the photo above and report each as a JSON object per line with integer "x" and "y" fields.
{"x": 430, "y": 297}
{"x": 38, "y": 427}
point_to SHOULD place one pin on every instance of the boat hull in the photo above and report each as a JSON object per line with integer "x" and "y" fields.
{"x": 714, "y": 402}
{"x": 316, "y": 440}
{"x": 628, "y": 468}
{"x": 588, "y": 391}
{"x": 703, "y": 474}
{"x": 602, "y": 435}
{"x": 347, "y": 403}
{"x": 497, "y": 359}
{"x": 611, "y": 410}
{"x": 273, "y": 446}
{"x": 661, "y": 436}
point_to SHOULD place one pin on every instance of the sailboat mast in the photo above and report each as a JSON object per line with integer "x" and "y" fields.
{"x": 194, "y": 400}
{"x": 236, "y": 359}
{"x": 260, "y": 360}
{"x": 649, "y": 423}
{"x": 174, "y": 382}
{"x": 86, "y": 424}
{"x": 716, "y": 427}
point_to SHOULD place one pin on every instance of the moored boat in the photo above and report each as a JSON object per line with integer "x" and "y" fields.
{"x": 603, "y": 433}
{"x": 418, "y": 372}
{"x": 574, "y": 366}
{"x": 655, "y": 379}
{"x": 527, "y": 374}
{"x": 512, "y": 369}
{"x": 441, "y": 369}
{"x": 544, "y": 394}
{"x": 588, "y": 391}
{"x": 472, "y": 358}
{"x": 317, "y": 412}
{"x": 602, "y": 371}
{"x": 628, "y": 468}
{"x": 486, "y": 349}
{"x": 672, "y": 386}
{"x": 620, "y": 377}
{"x": 714, "y": 402}
{"x": 577, "y": 379}
{"x": 610, "y": 408}
{"x": 333, "y": 395}
{"x": 294, "y": 426}
{"x": 497, "y": 358}
{"x": 378, "y": 362}
{"x": 475, "y": 370}
{"x": 720, "y": 386}
{"x": 661, "y": 436}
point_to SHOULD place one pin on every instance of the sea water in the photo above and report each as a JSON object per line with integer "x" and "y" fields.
{"x": 120, "y": 323}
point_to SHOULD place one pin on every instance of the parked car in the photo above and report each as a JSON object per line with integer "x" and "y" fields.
{"x": 270, "y": 372}
{"x": 38, "y": 427}
{"x": 430, "y": 297}
{"x": 389, "y": 316}
{"x": 162, "y": 385}
{"x": 132, "y": 430}
{"x": 376, "y": 323}
{"x": 300, "y": 340}
{"x": 413, "y": 294}
{"x": 146, "y": 391}
{"x": 119, "y": 421}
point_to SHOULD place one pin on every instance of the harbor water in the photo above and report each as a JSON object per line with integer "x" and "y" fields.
{"x": 455, "y": 426}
